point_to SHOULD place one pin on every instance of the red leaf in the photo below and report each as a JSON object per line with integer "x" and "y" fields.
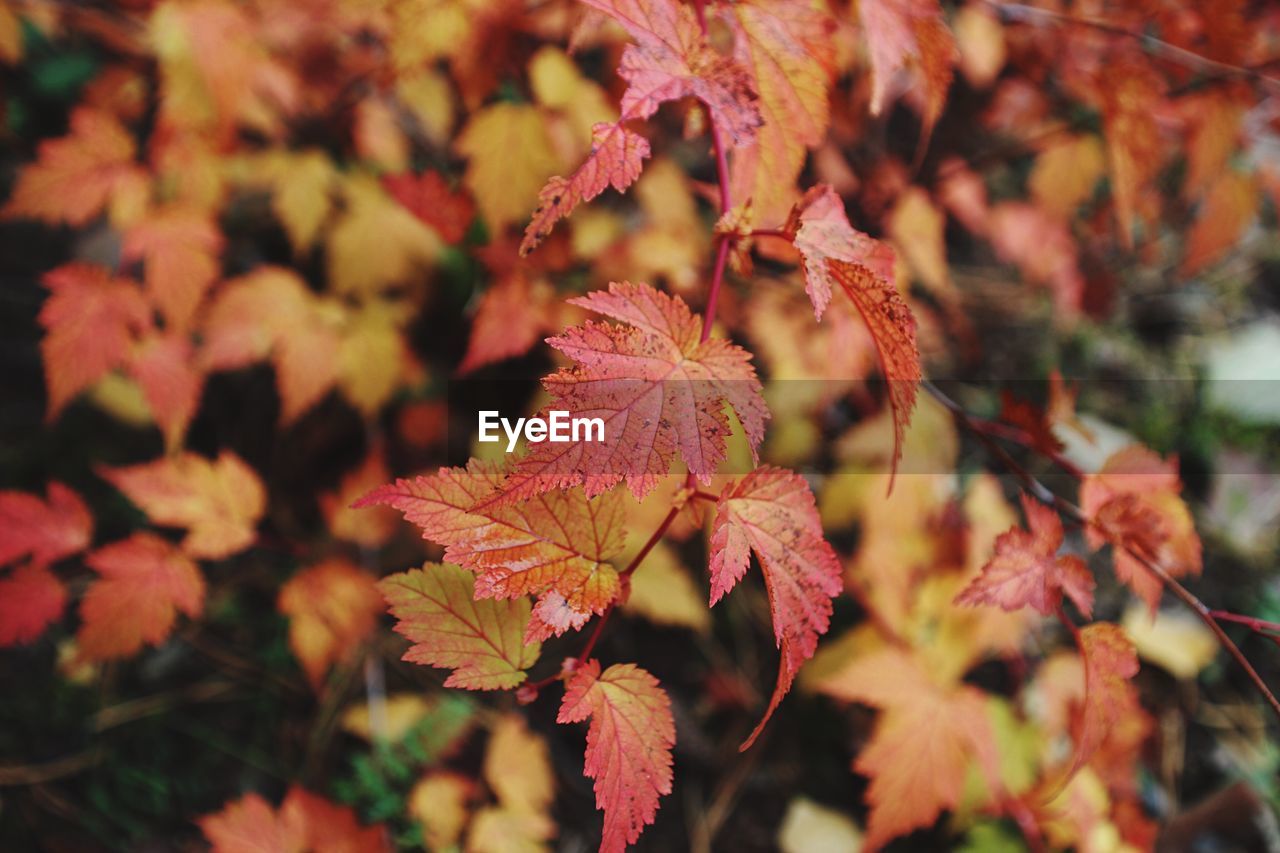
{"x": 428, "y": 197}
{"x": 909, "y": 33}
{"x": 554, "y": 543}
{"x": 31, "y": 597}
{"x": 90, "y": 321}
{"x": 45, "y": 531}
{"x": 145, "y": 582}
{"x": 511, "y": 317}
{"x": 304, "y": 822}
{"x": 771, "y": 512}
{"x": 629, "y": 745}
{"x": 1024, "y": 571}
{"x": 481, "y": 641}
{"x": 219, "y": 503}
{"x": 616, "y": 158}
{"x": 821, "y": 231}
{"x": 657, "y": 388}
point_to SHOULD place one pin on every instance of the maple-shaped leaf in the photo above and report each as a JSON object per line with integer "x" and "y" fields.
{"x": 924, "y": 743}
{"x": 1134, "y": 497}
{"x": 73, "y": 178}
{"x": 179, "y": 249}
{"x": 836, "y": 254}
{"x": 31, "y": 597}
{"x": 789, "y": 49}
{"x": 1133, "y": 138}
{"x": 145, "y": 582}
{"x": 332, "y": 607}
{"x": 429, "y": 197}
{"x": 1110, "y": 663}
{"x": 616, "y": 157}
{"x": 90, "y": 321}
{"x": 270, "y": 313}
{"x": 909, "y": 33}
{"x": 304, "y": 822}
{"x": 771, "y": 512}
{"x": 629, "y": 744}
{"x": 482, "y": 641}
{"x": 218, "y": 503}
{"x": 1025, "y": 570}
{"x": 557, "y": 542}
{"x": 46, "y": 530}
{"x": 656, "y": 387}
{"x": 512, "y": 316}
{"x": 165, "y": 367}
{"x": 670, "y": 59}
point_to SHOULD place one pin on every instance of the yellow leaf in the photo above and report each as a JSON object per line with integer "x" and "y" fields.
{"x": 663, "y": 592}
{"x": 809, "y": 827}
{"x": 371, "y": 359}
{"x": 916, "y": 228}
{"x": 1066, "y": 173}
{"x": 980, "y": 38}
{"x": 439, "y": 803}
{"x": 1175, "y": 640}
{"x": 10, "y": 35}
{"x": 517, "y": 767}
{"x": 509, "y": 159}
{"x": 302, "y": 199}
{"x": 428, "y": 97}
{"x": 398, "y": 715}
{"x": 378, "y": 136}
{"x": 377, "y": 243}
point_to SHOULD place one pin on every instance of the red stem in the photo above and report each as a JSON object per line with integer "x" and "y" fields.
{"x": 1261, "y": 626}
{"x": 723, "y": 241}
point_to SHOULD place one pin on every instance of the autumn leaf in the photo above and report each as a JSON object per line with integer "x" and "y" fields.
{"x": 670, "y": 59}
{"x": 218, "y": 503}
{"x": 789, "y": 50}
{"x": 1025, "y": 570}
{"x": 270, "y": 313}
{"x": 834, "y": 253}
{"x": 1134, "y": 503}
{"x": 429, "y": 197}
{"x": 656, "y": 386}
{"x": 616, "y": 158}
{"x": 1110, "y": 663}
{"x": 629, "y": 745}
{"x": 908, "y": 33}
{"x": 482, "y": 640}
{"x": 1228, "y": 209}
{"x": 43, "y": 530}
{"x": 438, "y": 802}
{"x": 332, "y": 607}
{"x": 558, "y": 542}
{"x": 923, "y": 745}
{"x": 771, "y": 512}
{"x": 508, "y": 159}
{"x": 74, "y": 177}
{"x": 90, "y": 321}
{"x": 367, "y": 528}
{"x": 145, "y": 583}
{"x": 512, "y": 315}
{"x": 166, "y": 369}
{"x": 304, "y": 822}
{"x": 1133, "y": 141}
{"x": 31, "y": 598}
{"x": 179, "y": 250}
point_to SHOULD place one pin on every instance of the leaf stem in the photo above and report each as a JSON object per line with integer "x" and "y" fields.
{"x": 1047, "y": 496}
{"x": 723, "y": 241}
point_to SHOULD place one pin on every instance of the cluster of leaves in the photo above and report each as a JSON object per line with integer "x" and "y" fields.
{"x": 390, "y": 147}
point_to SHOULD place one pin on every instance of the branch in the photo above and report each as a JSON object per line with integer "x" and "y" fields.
{"x": 1046, "y": 496}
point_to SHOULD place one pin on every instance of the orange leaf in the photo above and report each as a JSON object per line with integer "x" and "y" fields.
{"x": 923, "y": 744}
{"x": 219, "y": 503}
{"x": 31, "y": 598}
{"x": 1024, "y": 571}
{"x": 179, "y": 250}
{"x": 90, "y": 320}
{"x": 304, "y": 822}
{"x": 789, "y": 49}
{"x": 616, "y": 159}
{"x": 1228, "y": 209}
{"x": 45, "y": 531}
{"x": 369, "y": 529}
{"x": 1133, "y": 140}
{"x": 481, "y": 641}
{"x": 657, "y": 388}
{"x": 628, "y": 745}
{"x": 558, "y": 542}
{"x": 76, "y": 176}
{"x": 909, "y": 33}
{"x": 1110, "y": 663}
{"x": 145, "y": 582}
{"x": 270, "y": 313}
{"x": 164, "y": 366}
{"x": 771, "y": 512}
{"x": 1135, "y": 498}
{"x": 332, "y": 607}
{"x": 428, "y": 197}
{"x": 511, "y": 317}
